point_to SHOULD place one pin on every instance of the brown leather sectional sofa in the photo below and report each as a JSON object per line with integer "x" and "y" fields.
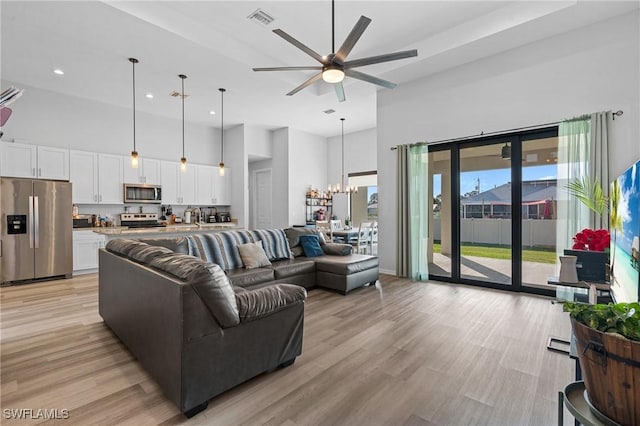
{"x": 199, "y": 330}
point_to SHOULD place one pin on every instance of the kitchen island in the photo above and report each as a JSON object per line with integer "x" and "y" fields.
{"x": 176, "y": 230}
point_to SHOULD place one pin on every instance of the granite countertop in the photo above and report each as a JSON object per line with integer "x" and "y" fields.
{"x": 169, "y": 229}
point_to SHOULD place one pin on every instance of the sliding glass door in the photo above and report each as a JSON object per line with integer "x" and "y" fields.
{"x": 493, "y": 219}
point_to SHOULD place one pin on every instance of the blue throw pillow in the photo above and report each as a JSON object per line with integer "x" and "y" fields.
{"x": 311, "y": 245}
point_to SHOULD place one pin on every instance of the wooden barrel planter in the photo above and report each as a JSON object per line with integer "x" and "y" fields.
{"x": 610, "y": 366}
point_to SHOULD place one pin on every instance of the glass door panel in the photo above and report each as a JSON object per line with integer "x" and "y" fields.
{"x": 441, "y": 248}
{"x": 539, "y": 208}
{"x": 485, "y": 213}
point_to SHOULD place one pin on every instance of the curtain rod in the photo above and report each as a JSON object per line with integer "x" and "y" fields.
{"x": 499, "y": 132}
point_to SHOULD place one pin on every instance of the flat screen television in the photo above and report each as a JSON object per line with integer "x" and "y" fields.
{"x": 625, "y": 279}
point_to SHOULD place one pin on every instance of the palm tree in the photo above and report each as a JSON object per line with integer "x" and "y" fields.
{"x": 615, "y": 220}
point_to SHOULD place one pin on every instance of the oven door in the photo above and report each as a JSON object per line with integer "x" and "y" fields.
{"x": 148, "y": 194}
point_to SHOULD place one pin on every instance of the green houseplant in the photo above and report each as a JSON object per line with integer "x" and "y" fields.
{"x": 608, "y": 346}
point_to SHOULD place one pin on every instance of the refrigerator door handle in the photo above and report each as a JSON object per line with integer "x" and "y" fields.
{"x": 36, "y": 222}
{"x": 30, "y": 221}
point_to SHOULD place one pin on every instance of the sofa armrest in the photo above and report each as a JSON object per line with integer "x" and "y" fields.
{"x": 255, "y": 304}
{"x": 337, "y": 249}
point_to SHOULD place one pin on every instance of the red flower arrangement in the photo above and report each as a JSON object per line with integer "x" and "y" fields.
{"x": 592, "y": 240}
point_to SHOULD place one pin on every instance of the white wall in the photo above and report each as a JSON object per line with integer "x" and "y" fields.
{"x": 258, "y": 141}
{"x": 307, "y": 166}
{"x": 42, "y": 117}
{"x": 591, "y": 69}
{"x": 235, "y": 156}
{"x": 360, "y": 155}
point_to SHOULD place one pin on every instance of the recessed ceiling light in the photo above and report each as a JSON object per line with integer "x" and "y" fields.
{"x": 212, "y": 112}
{"x": 58, "y": 71}
{"x": 149, "y": 95}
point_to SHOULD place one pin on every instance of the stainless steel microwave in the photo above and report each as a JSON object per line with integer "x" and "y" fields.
{"x": 142, "y": 193}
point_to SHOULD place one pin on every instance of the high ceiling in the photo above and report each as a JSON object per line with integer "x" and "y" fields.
{"x": 216, "y": 45}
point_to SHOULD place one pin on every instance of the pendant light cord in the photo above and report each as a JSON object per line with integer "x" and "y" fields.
{"x": 222, "y": 124}
{"x": 342, "y": 180}
{"x": 333, "y": 27}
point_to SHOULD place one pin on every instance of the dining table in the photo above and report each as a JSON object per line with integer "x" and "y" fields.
{"x": 345, "y": 235}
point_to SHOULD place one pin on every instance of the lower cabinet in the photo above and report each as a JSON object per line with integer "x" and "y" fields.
{"x": 85, "y": 251}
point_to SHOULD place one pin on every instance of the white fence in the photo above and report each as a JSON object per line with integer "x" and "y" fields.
{"x": 535, "y": 233}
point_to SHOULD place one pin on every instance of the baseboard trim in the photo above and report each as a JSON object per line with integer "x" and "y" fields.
{"x": 387, "y": 272}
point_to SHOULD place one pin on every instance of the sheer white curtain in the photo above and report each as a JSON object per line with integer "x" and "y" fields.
{"x": 583, "y": 151}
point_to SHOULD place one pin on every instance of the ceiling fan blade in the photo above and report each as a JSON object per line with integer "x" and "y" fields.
{"x": 351, "y": 39}
{"x": 305, "y": 84}
{"x": 340, "y": 92}
{"x": 315, "y": 55}
{"x": 381, "y": 58}
{"x": 370, "y": 79}
{"x": 317, "y": 68}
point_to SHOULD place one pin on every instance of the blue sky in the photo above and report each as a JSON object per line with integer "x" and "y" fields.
{"x": 492, "y": 178}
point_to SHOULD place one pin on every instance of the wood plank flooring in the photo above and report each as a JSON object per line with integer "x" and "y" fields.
{"x": 402, "y": 353}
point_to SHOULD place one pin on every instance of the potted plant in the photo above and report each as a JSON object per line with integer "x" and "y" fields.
{"x": 608, "y": 346}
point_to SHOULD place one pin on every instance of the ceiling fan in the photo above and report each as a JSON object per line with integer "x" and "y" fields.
{"x": 334, "y": 66}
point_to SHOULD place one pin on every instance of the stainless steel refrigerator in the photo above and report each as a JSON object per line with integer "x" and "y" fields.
{"x": 37, "y": 221}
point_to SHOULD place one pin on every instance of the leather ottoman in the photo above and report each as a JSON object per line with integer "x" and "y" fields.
{"x": 344, "y": 273}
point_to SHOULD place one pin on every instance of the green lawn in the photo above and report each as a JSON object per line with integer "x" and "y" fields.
{"x": 502, "y": 252}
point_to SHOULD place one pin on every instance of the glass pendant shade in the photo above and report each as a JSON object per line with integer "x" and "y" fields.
{"x": 221, "y": 169}
{"x": 134, "y": 159}
{"x": 183, "y": 164}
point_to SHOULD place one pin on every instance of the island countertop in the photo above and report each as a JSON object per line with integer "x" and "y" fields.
{"x": 169, "y": 230}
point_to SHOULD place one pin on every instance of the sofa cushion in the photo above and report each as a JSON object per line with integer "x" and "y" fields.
{"x": 275, "y": 243}
{"x": 293, "y": 235}
{"x": 264, "y": 301}
{"x": 297, "y": 251}
{"x": 311, "y": 245}
{"x": 177, "y": 245}
{"x": 146, "y": 254}
{"x": 219, "y": 247}
{"x": 253, "y": 255}
{"x": 346, "y": 265}
{"x": 291, "y": 267}
{"x": 337, "y": 249}
{"x": 123, "y": 246}
{"x": 250, "y": 277}
{"x": 209, "y": 282}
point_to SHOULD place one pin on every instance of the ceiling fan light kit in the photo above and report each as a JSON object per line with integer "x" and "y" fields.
{"x": 334, "y": 67}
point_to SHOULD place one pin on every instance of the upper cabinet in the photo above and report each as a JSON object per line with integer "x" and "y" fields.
{"x": 213, "y": 189}
{"x": 178, "y": 187}
{"x": 96, "y": 178}
{"x": 32, "y": 161}
{"x": 148, "y": 171}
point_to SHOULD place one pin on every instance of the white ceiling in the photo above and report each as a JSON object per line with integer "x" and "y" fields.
{"x": 215, "y": 45}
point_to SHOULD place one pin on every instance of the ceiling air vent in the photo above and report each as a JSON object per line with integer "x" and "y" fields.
{"x": 261, "y": 17}
{"x": 329, "y": 111}
{"x": 176, "y": 94}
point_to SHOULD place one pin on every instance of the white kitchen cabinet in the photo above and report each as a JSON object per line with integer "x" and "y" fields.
{"x": 213, "y": 189}
{"x": 222, "y": 188}
{"x": 85, "y": 251}
{"x": 178, "y": 187}
{"x": 148, "y": 171}
{"x": 96, "y": 178}
{"x": 33, "y": 161}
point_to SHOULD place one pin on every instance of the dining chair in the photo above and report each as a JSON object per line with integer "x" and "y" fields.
{"x": 361, "y": 242}
{"x": 373, "y": 242}
{"x": 324, "y": 228}
{"x": 336, "y": 225}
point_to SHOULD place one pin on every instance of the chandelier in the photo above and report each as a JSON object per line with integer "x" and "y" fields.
{"x": 343, "y": 187}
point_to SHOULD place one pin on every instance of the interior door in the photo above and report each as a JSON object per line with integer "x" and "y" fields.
{"x": 262, "y": 196}
{"x": 52, "y": 228}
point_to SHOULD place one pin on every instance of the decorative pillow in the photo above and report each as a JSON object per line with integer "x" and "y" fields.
{"x": 274, "y": 242}
{"x": 253, "y": 255}
{"x": 293, "y": 235}
{"x": 311, "y": 245}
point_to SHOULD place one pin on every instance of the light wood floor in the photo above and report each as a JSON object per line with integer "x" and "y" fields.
{"x": 401, "y": 353}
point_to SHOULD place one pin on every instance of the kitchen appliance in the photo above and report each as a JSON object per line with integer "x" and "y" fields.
{"x": 142, "y": 193}
{"x": 35, "y": 230}
{"x": 83, "y": 221}
{"x": 223, "y": 217}
{"x": 140, "y": 220}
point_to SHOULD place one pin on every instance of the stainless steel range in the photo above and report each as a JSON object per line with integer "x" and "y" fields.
{"x": 140, "y": 220}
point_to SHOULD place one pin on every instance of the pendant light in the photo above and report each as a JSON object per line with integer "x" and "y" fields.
{"x": 506, "y": 152}
{"x": 134, "y": 153}
{"x": 183, "y": 159}
{"x": 222, "y": 131}
{"x": 343, "y": 187}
